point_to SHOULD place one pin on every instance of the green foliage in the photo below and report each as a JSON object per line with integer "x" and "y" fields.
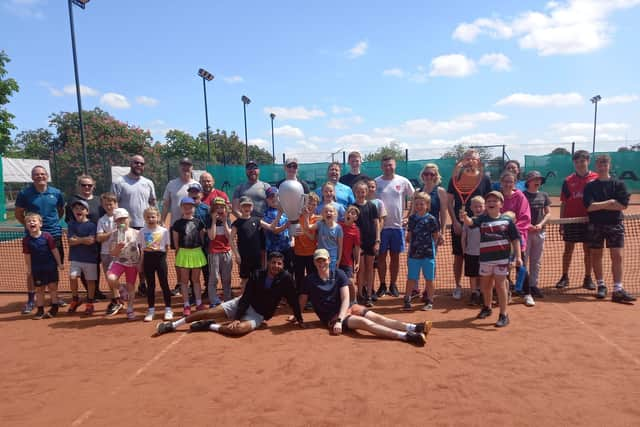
{"x": 393, "y": 149}
{"x": 7, "y": 87}
{"x": 32, "y": 144}
{"x": 561, "y": 150}
{"x": 458, "y": 150}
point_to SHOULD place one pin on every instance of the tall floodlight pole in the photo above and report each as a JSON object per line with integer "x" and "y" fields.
{"x": 595, "y": 101}
{"x": 81, "y": 4}
{"x": 245, "y": 101}
{"x": 273, "y": 143}
{"x": 206, "y": 77}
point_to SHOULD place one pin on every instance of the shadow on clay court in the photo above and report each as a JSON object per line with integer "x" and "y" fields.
{"x": 78, "y": 321}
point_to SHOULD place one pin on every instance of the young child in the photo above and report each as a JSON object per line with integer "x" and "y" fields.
{"x": 350, "y": 260}
{"x": 155, "y": 241}
{"x": 328, "y": 234}
{"x": 276, "y": 226}
{"x": 539, "y": 203}
{"x": 498, "y": 237}
{"x": 329, "y": 198}
{"x": 370, "y": 226}
{"x": 470, "y": 240}
{"x": 423, "y": 231}
{"x": 187, "y": 234}
{"x": 382, "y": 213}
{"x": 125, "y": 251}
{"x": 305, "y": 243}
{"x": 219, "y": 253}
{"x": 105, "y": 228}
{"x": 83, "y": 252}
{"x": 247, "y": 250}
{"x": 43, "y": 261}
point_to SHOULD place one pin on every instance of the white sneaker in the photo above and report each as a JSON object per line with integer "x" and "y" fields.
{"x": 168, "y": 314}
{"x": 150, "y": 313}
{"x": 528, "y": 301}
{"x": 457, "y": 293}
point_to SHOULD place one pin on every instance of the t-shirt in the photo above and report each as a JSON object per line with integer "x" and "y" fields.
{"x": 601, "y": 190}
{"x": 220, "y": 243}
{"x": 255, "y": 191}
{"x": 82, "y": 253}
{"x": 538, "y": 201}
{"x": 496, "y": 235}
{"x": 571, "y": 194}
{"x": 350, "y": 179}
{"x": 188, "y": 230}
{"x": 328, "y": 239}
{"x": 106, "y": 224}
{"x": 422, "y": 228}
{"x": 340, "y": 210}
{"x": 393, "y": 193}
{"x": 276, "y": 242}
{"x": 367, "y": 222}
{"x": 344, "y": 195}
{"x": 350, "y": 239}
{"x": 249, "y": 236}
{"x": 175, "y": 191}
{"x": 208, "y": 199}
{"x": 130, "y": 253}
{"x": 325, "y": 294}
{"x": 46, "y": 204}
{"x": 305, "y": 246}
{"x": 483, "y": 188}
{"x": 95, "y": 209}
{"x": 135, "y": 195}
{"x": 202, "y": 213}
{"x": 473, "y": 241}
{"x": 154, "y": 239}
{"x": 40, "y": 248}
{"x": 382, "y": 211}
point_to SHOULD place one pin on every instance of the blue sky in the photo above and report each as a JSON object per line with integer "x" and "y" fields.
{"x": 339, "y": 75}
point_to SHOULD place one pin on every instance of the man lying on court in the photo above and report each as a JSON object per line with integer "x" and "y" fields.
{"x": 329, "y": 295}
{"x": 262, "y": 294}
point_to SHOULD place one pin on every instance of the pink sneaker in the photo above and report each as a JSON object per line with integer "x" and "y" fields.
{"x": 187, "y": 311}
{"x": 201, "y": 307}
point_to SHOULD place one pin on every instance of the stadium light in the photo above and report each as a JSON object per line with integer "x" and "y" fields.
{"x": 206, "y": 77}
{"x": 245, "y": 101}
{"x": 595, "y": 101}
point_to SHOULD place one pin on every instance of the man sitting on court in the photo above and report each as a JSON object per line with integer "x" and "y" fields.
{"x": 329, "y": 295}
{"x": 262, "y": 294}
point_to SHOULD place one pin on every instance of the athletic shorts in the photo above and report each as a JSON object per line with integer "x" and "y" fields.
{"x": 248, "y": 265}
{"x": 392, "y": 239}
{"x": 355, "y": 310}
{"x": 130, "y": 272}
{"x": 575, "y": 232}
{"x": 231, "y": 307}
{"x": 456, "y": 243}
{"x": 487, "y": 269}
{"x": 471, "y": 265}
{"x": 427, "y": 265}
{"x": 347, "y": 270}
{"x": 43, "y": 278}
{"x": 367, "y": 249}
{"x": 613, "y": 234}
{"x": 77, "y": 269}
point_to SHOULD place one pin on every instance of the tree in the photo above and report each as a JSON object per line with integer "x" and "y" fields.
{"x": 561, "y": 150}
{"x": 458, "y": 151}
{"x": 623, "y": 149}
{"x": 393, "y": 149}
{"x": 7, "y": 87}
{"x": 32, "y": 144}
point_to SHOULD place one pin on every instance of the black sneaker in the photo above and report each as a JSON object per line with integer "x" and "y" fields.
{"x": 484, "y": 313}
{"x": 563, "y": 282}
{"x": 602, "y": 292}
{"x": 407, "y": 304}
{"x": 424, "y": 327}
{"x": 39, "y": 314}
{"x": 110, "y": 308}
{"x": 201, "y": 325}
{"x": 165, "y": 327}
{"x": 416, "y": 338}
{"x": 393, "y": 290}
{"x": 114, "y": 308}
{"x": 382, "y": 290}
{"x": 374, "y": 297}
{"x": 622, "y": 297}
{"x": 368, "y": 302}
{"x": 536, "y": 292}
{"x": 503, "y": 320}
{"x": 587, "y": 283}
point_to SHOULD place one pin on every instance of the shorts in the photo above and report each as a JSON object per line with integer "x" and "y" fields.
{"x": 43, "y": 278}
{"x": 190, "y": 258}
{"x": 130, "y": 272}
{"x": 90, "y": 270}
{"x": 456, "y": 243}
{"x": 231, "y": 307}
{"x": 105, "y": 261}
{"x": 471, "y": 265}
{"x": 367, "y": 249}
{"x": 347, "y": 270}
{"x": 355, "y": 309}
{"x": 613, "y": 234}
{"x": 392, "y": 239}
{"x": 487, "y": 269}
{"x": 575, "y": 232}
{"x": 427, "y": 265}
{"x": 249, "y": 264}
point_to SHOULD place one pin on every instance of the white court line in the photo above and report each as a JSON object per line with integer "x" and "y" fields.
{"x": 85, "y": 415}
{"x": 604, "y": 339}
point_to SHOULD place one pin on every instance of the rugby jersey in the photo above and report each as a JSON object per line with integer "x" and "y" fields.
{"x": 496, "y": 235}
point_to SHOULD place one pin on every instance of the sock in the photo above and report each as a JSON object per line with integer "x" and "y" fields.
{"x": 180, "y": 321}
{"x": 198, "y": 301}
{"x": 40, "y": 310}
{"x": 400, "y": 335}
{"x": 600, "y": 282}
{"x": 214, "y": 327}
{"x": 53, "y": 309}
{"x": 411, "y": 327}
{"x": 151, "y": 310}
{"x": 617, "y": 287}
{"x": 30, "y": 296}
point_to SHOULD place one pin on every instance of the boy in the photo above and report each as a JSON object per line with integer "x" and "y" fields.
{"x": 276, "y": 227}
{"x": 498, "y": 237}
{"x": 370, "y": 225}
{"x": 423, "y": 232}
{"x": 247, "y": 249}
{"x": 350, "y": 261}
{"x": 105, "y": 228}
{"x": 305, "y": 243}
{"x": 539, "y": 204}
{"x": 43, "y": 260}
{"x": 470, "y": 240}
{"x": 83, "y": 252}
{"x": 219, "y": 253}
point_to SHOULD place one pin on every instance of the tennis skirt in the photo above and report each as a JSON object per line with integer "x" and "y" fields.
{"x": 190, "y": 258}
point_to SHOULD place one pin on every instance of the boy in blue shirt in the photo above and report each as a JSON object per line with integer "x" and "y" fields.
{"x": 276, "y": 229}
{"x": 83, "y": 252}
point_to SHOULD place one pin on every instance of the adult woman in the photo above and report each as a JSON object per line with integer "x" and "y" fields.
{"x": 512, "y": 166}
{"x": 431, "y": 179}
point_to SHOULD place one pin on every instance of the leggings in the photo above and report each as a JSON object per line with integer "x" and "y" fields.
{"x": 156, "y": 262}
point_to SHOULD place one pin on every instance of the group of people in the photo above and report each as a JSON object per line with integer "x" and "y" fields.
{"x": 349, "y": 226}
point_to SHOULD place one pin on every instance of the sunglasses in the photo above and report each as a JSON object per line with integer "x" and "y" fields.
{"x": 292, "y": 166}
{"x": 86, "y": 185}
{"x": 138, "y": 163}
{"x": 428, "y": 174}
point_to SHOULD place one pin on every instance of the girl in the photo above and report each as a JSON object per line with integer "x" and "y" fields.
{"x": 219, "y": 254}
{"x": 329, "y": 197}
{"x": 328, "y": 233}
{"x": 305, "y": 243}
{"x": 369, "y": 224}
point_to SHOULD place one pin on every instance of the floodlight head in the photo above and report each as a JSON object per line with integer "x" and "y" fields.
{"x": 596, "y": 99}
{"x": 205, "y": 74}
{"x": 80, "y": 3}
{"x": 245, "y": 100}
{"x": 272, "y": 115}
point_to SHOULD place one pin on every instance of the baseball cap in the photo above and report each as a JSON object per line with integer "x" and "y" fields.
{"x": 535, "y": 175}
{"x": 80, "y": 202}
{"x": 245, "y": 200}
{"x": 291, "y": 160}
{"x": 321, "y": 253}
{"x": 219, "y": 201}
{"x": 186, "y": 161}
{"x": 194, "y": 186}
{"x": 271, "y": 191}
{"x": 251, "y": 164}
{"x": 187, "y": 201}
{"x": 120, "y": 213}
{"x": 494, "y": 194}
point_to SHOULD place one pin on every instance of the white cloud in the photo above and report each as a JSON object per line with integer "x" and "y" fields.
{"x": 394, "y": 72}
{"x": 568, "y": 27}
{"x": 362, "y": 141}
{"x": 147, "y": 101}
{"x": 25, "y": 8}
{"x": 425, "y": 127}
{"x": 84, "y": 90}
{"x": 454, "y": 65}
{"x": 262, "y": 143}
{"x": 358, "y": 50}
{"x": 420, "y": 74}
{"x": 487, "y": 116}
{"x": 497, "y": 61}
{"x": 618, "y": 99}
{"x": 318, "y": 139}
{"x": 114, "y": 100}
{"x": 552, "y": 100}
{"x": 337, "y": 109}
{"x": 345, "y": 123}
{"x": 288, "y": 132}
{"x": 233, "y": 79}
{"x": 294, "y": 113}
{"x": 158, "y": 129}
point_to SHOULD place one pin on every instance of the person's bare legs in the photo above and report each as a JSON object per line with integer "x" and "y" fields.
{"x": 617, "y": 263}
{"x": 183, "y": 280}
{"x": 380, "y": 320}
{"x": 596, "y": 261}
{"x": 458, "y": 262}
{"x": 382, "y": 267}
{"x": 502, "y": 291}
{"x": 486, "y": 286}
{"x": 394, "y": 266}
{"x": 587, "y": 259}
{"x": 53, "y": 292}
{"x": 197, "y": 289}
{"x": 430, "y": 289}
{"x": 40, "y": 296}
{"x": 566, "y": 258}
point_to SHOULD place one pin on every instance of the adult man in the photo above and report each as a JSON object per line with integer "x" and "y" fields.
{"x": 329, "y": 295}
{"x": 291, "y": 172}
{"x": 355, "y": 162}
{"x": 253, "y": 188}
{"x": 344, "y": 194}
{"x": 43, "y": 199}
{"x": 259, "y": 301}
{"x": 572, "y": 206}
{"x": 605, "y": 199}
{"x": 207, "y": 181}
{"x": 176, "y": 190}
{"x": 476, "y": 184}
{"x": 135, "y": 193}
{"x": 394, "y": 191}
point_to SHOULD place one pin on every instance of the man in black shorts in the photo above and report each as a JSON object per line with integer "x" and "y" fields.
{"x": 605, "y": 199}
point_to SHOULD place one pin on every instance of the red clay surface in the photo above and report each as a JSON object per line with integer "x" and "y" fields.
{"x": 571, "y": 360}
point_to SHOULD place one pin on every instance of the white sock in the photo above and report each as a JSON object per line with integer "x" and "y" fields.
{"x": 215, "y": 327}
{"x": 617, "y": 287}
{"x": 401, "y": 335}
{"x": 198, "y": 301}
{"x": 600, "y": 282}
{"x": 411, "y": 327}
{"x": 180, "y": 321}
{"x": 151, "y": 310}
